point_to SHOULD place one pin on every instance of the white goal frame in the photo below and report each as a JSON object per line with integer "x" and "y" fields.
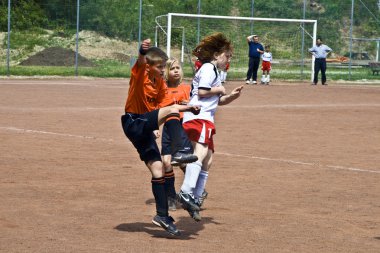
{"x": 169, "y": 27}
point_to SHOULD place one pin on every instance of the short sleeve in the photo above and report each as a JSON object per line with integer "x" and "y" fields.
{"x": 207, "y": 76}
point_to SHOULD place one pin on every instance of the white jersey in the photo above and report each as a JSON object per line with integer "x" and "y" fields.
{"x": 206, "y": 78}
{"x": 267, "y": 56}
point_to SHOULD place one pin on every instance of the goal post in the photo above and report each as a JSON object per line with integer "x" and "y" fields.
{"x": 285, "y": 38}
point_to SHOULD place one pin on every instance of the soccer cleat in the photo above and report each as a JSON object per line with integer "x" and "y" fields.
{"x": 195, "y": 215}
{"x": 166, "y": 222}
{"x": 254, "y": 82}
{"x": 181, "y": 157}
{"x": 202, "y": 198}
{"x": 187, "y": 201}
{"x": 172, "y": 204}
{"x": 247, "y": 82}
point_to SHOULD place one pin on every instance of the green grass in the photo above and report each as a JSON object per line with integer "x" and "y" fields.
{"x": 104, "y": 69}
{"x": 109, "y": 69}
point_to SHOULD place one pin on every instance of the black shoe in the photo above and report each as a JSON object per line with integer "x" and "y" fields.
{"x": 166, "y": 222}
{"x": 195, "y": 215}
{"x": 324, "y": 83}
{"x": 182, "y": 158}
{"x": 187, "y": 201}
{"x": 202, "y": 198}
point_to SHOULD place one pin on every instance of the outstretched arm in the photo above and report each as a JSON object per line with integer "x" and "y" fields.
{"x": 218, "y": 90}
{"x": 195, "y": 109}
{"x": 235, "y": 93}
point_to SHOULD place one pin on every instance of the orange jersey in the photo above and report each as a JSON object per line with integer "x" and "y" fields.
{"x": 176, "y": 95}
{"x": 143, "y": 95}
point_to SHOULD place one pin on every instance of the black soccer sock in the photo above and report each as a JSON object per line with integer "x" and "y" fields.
{"x": 174, "y": 130}
{"x": 169, "y": 184}
{"x": 158, "y": 189}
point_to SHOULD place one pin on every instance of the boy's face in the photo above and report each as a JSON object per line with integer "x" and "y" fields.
{"x": 156, "y": 70}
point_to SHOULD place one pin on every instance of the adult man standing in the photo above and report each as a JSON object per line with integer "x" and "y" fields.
{"x": 320, "y": 51}
{"x": 255, "y": 51}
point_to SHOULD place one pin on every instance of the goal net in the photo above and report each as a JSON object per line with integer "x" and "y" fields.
{"x": 178, "y": 34}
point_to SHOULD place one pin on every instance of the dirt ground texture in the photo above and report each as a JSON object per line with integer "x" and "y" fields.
{"x": 296, "y": 169}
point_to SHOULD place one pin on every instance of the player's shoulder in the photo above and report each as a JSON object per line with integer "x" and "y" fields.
{"x": 207, "y": 65}
{"x": 185, "y": 87}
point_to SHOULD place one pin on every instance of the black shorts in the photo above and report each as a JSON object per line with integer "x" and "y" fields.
{"x": 139, "y": 130}
{"x": 166, "y": 142}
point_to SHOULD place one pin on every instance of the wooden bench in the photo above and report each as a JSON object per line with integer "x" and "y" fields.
{"x": 375, "y": 67}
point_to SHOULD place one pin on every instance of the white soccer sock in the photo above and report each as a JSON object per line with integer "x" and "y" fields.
{"x": 191, "y": 177}
{"x": 268, "y": 79}
{"x": 201, "y": 184}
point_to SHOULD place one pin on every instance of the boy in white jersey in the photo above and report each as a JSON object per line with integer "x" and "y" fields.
{"x": 266, "y": 65}
{"x": 214, "y": 52}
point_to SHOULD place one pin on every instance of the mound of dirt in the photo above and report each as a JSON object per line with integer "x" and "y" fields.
{"x": 56, "y": 56}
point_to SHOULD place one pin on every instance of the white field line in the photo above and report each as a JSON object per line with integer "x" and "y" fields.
{"x": 66, "y": 108}
{"x": 85, "y": 84}
{"x": 333, "y": 167}
{"x": 119, "y": 108}
{"x": 21, "y": 130}
{"x": 301, "y": 106}
{"x": 300, "y": 163}
{"x": 363, "y": 84}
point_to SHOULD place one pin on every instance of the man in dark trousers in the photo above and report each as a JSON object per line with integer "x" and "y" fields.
{"x": 255, "y": 51}
{"x": 320, "y": 51}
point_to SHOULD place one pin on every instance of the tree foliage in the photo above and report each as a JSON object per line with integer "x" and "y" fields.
{"x": 120, "y": 18}
{"x": 25, "y": 14}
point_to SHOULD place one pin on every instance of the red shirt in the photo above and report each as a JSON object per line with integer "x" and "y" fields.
{"x": 198, "y": 65}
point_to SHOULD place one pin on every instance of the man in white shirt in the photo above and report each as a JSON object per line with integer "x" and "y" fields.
{"x": 320, "y": 51}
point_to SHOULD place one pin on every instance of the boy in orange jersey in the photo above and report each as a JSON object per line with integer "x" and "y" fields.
{"x": 142, "y": 117}
{"x": 178, "y": 93}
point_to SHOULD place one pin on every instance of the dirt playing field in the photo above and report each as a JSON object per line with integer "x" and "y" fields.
{"x": 296, "y": 169}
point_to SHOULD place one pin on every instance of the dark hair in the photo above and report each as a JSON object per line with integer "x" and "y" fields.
{"x": 155, "y": 55}
{"x": 214, "y": 43}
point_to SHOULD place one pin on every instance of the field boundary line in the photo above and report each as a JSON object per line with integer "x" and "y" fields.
{"x": 299, "y": 162}
{"x": 334, "y": 167}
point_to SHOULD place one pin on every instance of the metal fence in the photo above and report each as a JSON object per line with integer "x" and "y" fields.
{"x": 101, "y": 38}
